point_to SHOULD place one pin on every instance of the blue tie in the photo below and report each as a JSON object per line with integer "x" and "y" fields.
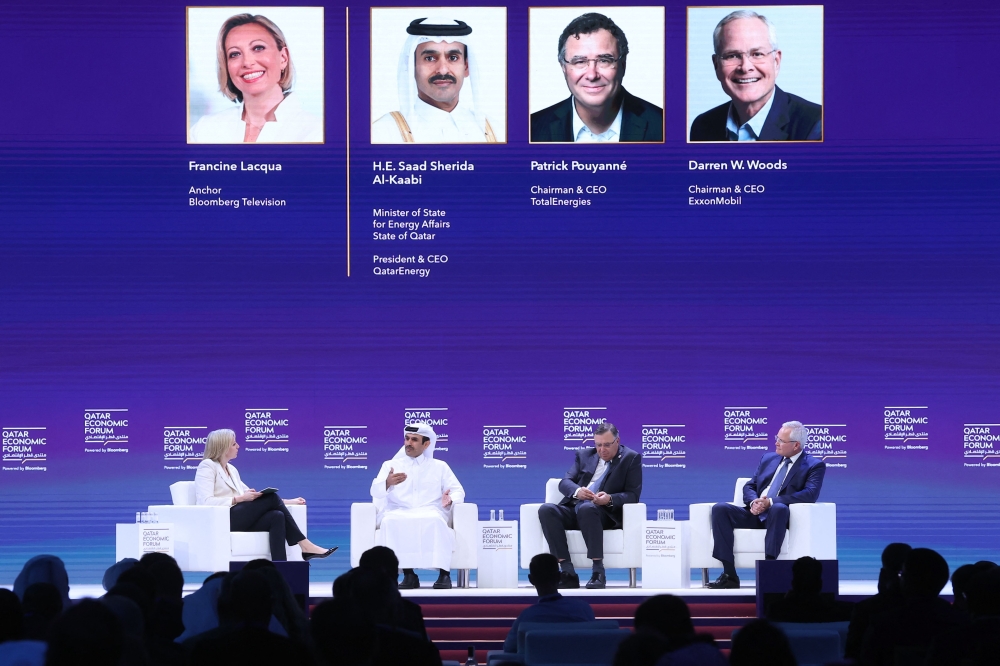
{"x": 777, "y": 483}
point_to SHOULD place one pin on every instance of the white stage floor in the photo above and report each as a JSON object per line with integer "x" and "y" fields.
{"x": 853, "y": 588}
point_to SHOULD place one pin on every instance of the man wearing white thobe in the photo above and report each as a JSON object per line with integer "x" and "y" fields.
{"x": 414, "y": 494}
{"x": 438, "y": 60}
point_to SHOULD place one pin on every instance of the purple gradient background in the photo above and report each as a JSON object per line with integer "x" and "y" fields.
{"x": 865, "y": 277}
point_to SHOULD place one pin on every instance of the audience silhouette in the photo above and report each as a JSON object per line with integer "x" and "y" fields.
{"x": 760, "y": 643}
{"x": 904, "y": 633}
{"x": 382, "y": 560}
{"x": 543, "y": 573}
{"x": 805, "y": 602}
{"x": 11, "y": 617}
{"x": 251, "y": 616}
{"x": 890, "y": 595}
{"x": 664, "y": 635}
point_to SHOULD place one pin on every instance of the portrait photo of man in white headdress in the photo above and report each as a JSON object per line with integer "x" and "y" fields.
{"x": 414, "y": 495}
{"x": 439, "y": 75}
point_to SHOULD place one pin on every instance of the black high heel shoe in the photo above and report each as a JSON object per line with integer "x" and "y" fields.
{"x": 319, "y": 556}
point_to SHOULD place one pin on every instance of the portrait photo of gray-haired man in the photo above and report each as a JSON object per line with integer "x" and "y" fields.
{"x": 747, "y": 59}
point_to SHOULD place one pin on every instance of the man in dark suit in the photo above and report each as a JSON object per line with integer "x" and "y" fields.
{"x": 747, "y": 61}
{"x": 601, "y": 480}
{"x": 592, "y": 55}
{"x": 784, "y": 477}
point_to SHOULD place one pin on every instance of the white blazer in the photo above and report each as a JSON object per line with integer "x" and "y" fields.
{"x": 213, "y": 486}
{"x": 292, "y": 124}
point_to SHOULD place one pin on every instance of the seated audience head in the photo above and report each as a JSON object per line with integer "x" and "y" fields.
{"x": 129, "y": 615}
{"x": 342, "y": 584}
{"x": 643, "y": 648}
{"x": 667, "y": 615}
{"x": 166, "y": 619}
{"x": 284, "y": 607}
{"x": 760, "y": 643}
{"x": 41, "y": 604}
{"x": 371, "y": 594}
{"x": 543, "y": 573}
{"x": 43, "y": 569}
{"x": 258, "y": 564}
{"x": 807, "y": 576}
{"x": 924, "y": 573}
{"x": 115, "y": 570}
{"x": 141, "y": 578}
{"x": 167, "y": 574}
{"x": 250, "y": 599}
{"x": 342, "y": 636}
{"x": 136, "y": 595}
{"x": 961, "y": 581}
{"x": 380, "y": 558}
{"x": 87, "y": 633}
{"x": 11, "y": 616}
{"x": 893, "y": 556}
{"x": 217, "y": 575}
{"x": 983, "y": 594}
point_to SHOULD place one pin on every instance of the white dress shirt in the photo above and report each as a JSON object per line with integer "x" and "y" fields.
{"x": 779, "y": 475}
{"x": 595, "y": 481}
{"x": 583, "y": 134}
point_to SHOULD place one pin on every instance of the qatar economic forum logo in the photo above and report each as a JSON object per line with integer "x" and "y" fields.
{"x": 981, "y": 444}
{"x": 24, "y": 449}
{"x": 505, "y": 447}
{"x": 745, "y": 429}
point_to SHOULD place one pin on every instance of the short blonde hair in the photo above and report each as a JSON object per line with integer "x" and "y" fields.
{"x": 226, "y": 86}
{"x": 218, "y": 443}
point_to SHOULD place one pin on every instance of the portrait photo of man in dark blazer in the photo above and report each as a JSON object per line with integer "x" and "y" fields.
{"x": 746, "y": 60}
{"x": 603, "y": 478}
{"x": 592, "y": 55}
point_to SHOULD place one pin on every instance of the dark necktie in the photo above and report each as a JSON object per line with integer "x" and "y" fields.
{"x": 777, "y": 483}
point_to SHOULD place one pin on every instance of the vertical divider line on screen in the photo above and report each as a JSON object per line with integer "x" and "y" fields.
{"x": 347, "y": 135}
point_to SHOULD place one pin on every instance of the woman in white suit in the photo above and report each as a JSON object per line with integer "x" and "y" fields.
{"x": 255, "y": 71}
{"x": 218, "y": 483}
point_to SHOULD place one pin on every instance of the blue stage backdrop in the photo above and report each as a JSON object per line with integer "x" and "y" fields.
{"x": 854, "y": 289}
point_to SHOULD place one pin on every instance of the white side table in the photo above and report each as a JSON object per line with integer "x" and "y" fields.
{"x": 665, "y": 555}
{"x": 497, "y": 554}
{"x": 137, "y": 539}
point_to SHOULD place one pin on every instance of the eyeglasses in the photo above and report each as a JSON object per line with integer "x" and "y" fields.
{"x": 606, "y": 445}
{"x": 603, "y": 63}
{"x": 777, "y": 438}
{"x": 734, "y": 58}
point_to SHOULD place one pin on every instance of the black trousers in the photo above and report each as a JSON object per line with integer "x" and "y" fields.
{"x": 268, "y": 514}
{"x": 586, "y": 516}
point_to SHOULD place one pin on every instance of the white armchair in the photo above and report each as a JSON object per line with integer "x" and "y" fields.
{"x": 812, "y": 531}
{"x": 202, "y": 539}
{"x": 622, "y": 548}
{"x": 465, "y": 524}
